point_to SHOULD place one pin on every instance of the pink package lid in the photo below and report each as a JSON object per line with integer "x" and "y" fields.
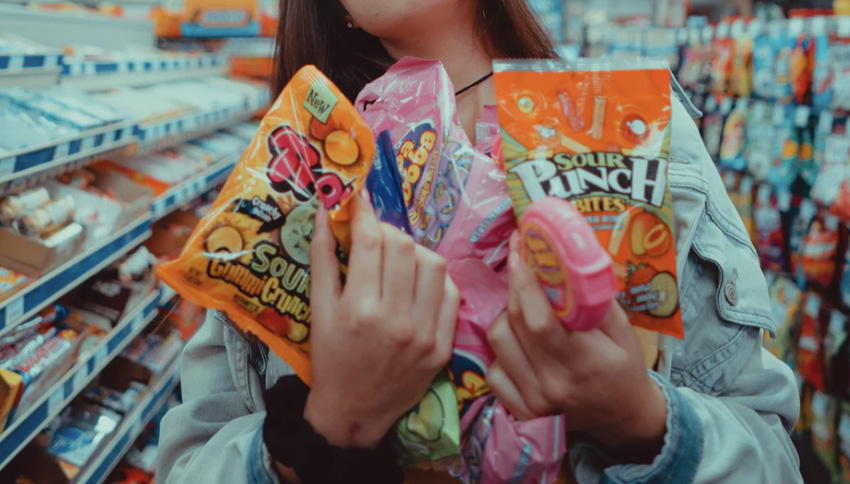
{"x": 574, "y": 270}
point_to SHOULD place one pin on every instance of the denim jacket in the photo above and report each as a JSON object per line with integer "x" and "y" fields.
{"x": 731, "y": 404}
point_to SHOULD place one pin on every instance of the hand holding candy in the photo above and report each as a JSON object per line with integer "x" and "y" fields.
{"x": 597, "y": 378}
{"x": 572, "y": 268}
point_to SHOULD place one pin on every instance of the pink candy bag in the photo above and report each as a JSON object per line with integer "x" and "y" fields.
{"x": 458, "y": 205}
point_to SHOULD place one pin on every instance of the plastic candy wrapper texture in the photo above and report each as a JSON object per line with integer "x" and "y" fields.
{"x": 614, "y": 170}
{"x": 249, "y": 256}
{"x": 457, "y": 202}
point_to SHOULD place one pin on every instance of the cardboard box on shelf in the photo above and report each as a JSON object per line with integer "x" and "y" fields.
{"x": 11, "y": 384}
{"x": 29, "y": 256}
{"x": 135, "y": 199}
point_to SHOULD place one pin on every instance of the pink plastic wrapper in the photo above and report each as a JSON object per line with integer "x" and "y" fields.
{"x": 458, "y": 205}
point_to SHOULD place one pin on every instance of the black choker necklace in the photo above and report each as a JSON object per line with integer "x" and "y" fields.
{"x": 479, "y": 81}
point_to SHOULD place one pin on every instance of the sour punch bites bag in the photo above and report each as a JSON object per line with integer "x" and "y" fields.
{"x": 249, "y": 256}
{"x": 612, "y": 165}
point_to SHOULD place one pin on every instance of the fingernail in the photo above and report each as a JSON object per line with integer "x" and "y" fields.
{"x": 321, "y": 216}
{"x": 513, "y": 260}
{"x": 515, "y": 240}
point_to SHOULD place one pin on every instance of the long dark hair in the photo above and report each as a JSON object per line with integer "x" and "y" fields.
{"x": 315, "y": 32}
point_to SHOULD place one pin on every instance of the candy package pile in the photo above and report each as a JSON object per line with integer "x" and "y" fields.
{"x": 598, "y": 134}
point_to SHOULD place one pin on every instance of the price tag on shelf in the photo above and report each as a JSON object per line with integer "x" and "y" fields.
{"x": 7, "y": 165}
{"x": 158, "y": 206}
{"x": 14, "y": 310}
{"x": 186, "y": 193}
{"x": 87, "y": 143}
{"x": 61, "y": 150}
{"x": 16, "y": 63}
{"x": 100, "y": 356}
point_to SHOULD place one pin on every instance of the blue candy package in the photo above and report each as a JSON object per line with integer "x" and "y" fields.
{"x": 384, "y": 185}
{"x": 734, "y": 137}
{"x": 783, "y": 44}
{"x": 764, "y": 55}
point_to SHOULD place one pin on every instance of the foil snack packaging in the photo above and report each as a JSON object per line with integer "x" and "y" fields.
{"x": 249, "y": 256}
{"x": 612, "y": 166}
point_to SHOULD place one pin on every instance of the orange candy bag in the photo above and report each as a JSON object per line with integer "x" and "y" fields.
{"x": 249, "y": 256}
{"x": 598, "y": 134}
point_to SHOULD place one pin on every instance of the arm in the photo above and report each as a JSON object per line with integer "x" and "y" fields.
{"x": 216, "y": 434}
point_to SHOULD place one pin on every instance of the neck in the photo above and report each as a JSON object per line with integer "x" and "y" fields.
{"x": 453, "y": 42}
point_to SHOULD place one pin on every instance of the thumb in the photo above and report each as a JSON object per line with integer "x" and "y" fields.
{"x": 324, "y": 266}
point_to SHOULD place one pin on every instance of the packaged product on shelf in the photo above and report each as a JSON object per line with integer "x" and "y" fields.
{"x": 835, "y": 354}
{"x": 783, "y": 44}
{"x": 843, "y": 436}
{"x": 723, "y": 53}
{"x": 12, "y": 282}
{"x": 249, "y": 257}
{"x": 118, "y": 401}
{"x": 804, "y": 423}
{"x": 824, "y": 409}
{"x": 760, "y": 140}
{"x": 716, "y": 110}
{"x": 11, "y": 384}
{"x": 14, "y": 206}
{"x": 786, "y": 150}
{"x": 785, "y": 302}
{"x": 802, "y": 63}
{"x": 695, "y": 72}
{"x": 764, "y": 56}
{"x": 820, "y": 251}
{"x": 839, "y": 60}
{"x": 741, "y": 77}
{"x": 810, "y": 343}
{"x": 834, "y": 172}
{"x": 77, "y": 433}
{"x": 41, "y": 221}
{"x": 46, "y": 365}
{"x": 808, "y": 165}
{"x": 740, "y": 190}
{"x": 732, "y": 148}
{"x": 767, "y": 220}
{"x": 544, "y": 157}
{"x": 801, "y": 221}
{"x": 822, "y": 77}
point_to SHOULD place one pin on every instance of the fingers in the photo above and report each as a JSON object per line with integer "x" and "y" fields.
{"x": 399, "y": 267}
{"x": 431, "y": 275}
{"x": 507, "y": 393}
{"x": 514, "y": 362}
{"x": 446, "y": 322}
{"x": 364, "y": 263}
{"x": 324, "y": 265}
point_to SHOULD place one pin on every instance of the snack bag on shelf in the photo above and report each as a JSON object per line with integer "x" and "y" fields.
{"x": 834, "y": 172}
{"x": 782, "y": 47}
{"x": 608, "y": 157}
{"x": 741, "y": 78}
{"x": 786, "y": 150}
{"x": 824, "y": 408}
{"x": 785, "y": 303}
{"x": 802, "y": 219}
{"x": 722, "y": 59}
{"x": 249, "y": 256}
{"x": 835, "y": 354}
{"x": 839, "y": 60}
{"x": 844, "y": 285}
{"x": 759, "y": 142}
{"x": 740, "y": 190}
{"x": 763, "y": 65}
{"x": 695, "y": 72}
{"x": 732, "y": 148}
{"x": 822, "y": 77}
{"x": 767, "y": 220}
{"x": 716, "y": 110}
{"x": 820, "y": 250}
{"x": 810, "y": 342}
{"x": 808, "y": 166}
{"x": 802, "y": 62}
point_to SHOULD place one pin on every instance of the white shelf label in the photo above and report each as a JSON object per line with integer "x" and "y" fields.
{"x": 14, "y": 310}
{"x": 7, "y": 165}
{"x": 16, "y": 63}
{"x": 100, "y": 356}
{"x": 87, "y": 143}
{"x": 62, "y": 150}
{"x": 158, "y": 206}
{"x": 79, "y": 378}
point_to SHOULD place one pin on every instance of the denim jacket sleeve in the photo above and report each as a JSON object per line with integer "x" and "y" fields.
{"x": 731, "y": 404}
{"x": 216, "y": 434}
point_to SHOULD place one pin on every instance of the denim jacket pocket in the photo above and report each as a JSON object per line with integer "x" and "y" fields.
{"x": 725, "y": 306}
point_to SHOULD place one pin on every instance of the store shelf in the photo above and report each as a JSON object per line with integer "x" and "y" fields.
{"x": 98, "y": 76}
{"x": 29, "y": 423}
{"x": 58, "y": 282}
{"x": 188, "y": 190}
{"x": 97, "y": 469}
{"x": 60, "y": 154}
{"x": 169, "y": 133}
{"x": 166, "y": 295}
{"x": 31, "y": 70}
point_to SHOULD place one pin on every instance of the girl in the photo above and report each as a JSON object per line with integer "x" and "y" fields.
{"x": 718, "y": 409}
